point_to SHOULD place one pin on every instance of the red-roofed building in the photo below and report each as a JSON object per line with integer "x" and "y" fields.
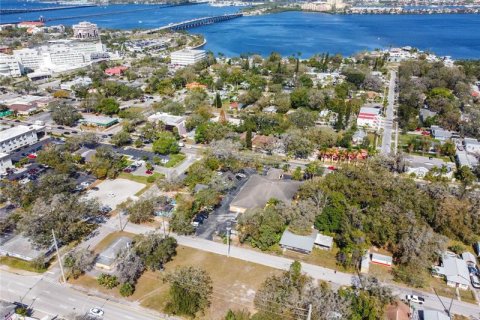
{"x": 30, "y": 24}
{"x": 370, "y": 117}
{"x": 115, "y": 71}
{"x": 195, "y": 85}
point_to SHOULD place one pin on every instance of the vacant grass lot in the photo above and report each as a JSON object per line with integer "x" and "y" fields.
{"x": 16, "y": 263}
{"x": 234, "y": 281}
{"x": 175, "y": 160}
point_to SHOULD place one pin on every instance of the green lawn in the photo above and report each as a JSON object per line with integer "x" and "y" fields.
{"x": 140, "y": 179}
{"x": 16, "y": 263}
{"x": 175, "y": 160}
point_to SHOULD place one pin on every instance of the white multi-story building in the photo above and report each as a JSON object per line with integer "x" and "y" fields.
{"x": 85, "y": 30}
{"x": 17, "y": 137}
{"x": 9, "y": 66}
{"x": 370, "y": 117}
{"x": 60, "y": 55}
{"x": 5, "y": 162}
{"x": 187, "y": 57}
{"x": 28, "y": 58}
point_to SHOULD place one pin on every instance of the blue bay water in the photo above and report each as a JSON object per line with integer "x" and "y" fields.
{"x": 289, "y": 32}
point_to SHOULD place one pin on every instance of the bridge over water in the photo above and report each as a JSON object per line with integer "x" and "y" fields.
{"x": 188, "y": 24}
{"x": 28, "y": 10}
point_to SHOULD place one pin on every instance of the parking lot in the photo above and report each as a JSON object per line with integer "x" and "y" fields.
{"x": 221, "y": 218}
{"x": 113, "y": 192}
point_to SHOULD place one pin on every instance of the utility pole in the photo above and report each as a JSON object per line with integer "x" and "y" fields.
{"x": 120, "y": 220}
{"x": 59, "y": 258}
{"x": 309, "y": 315}
{"x": 228, "y": 241}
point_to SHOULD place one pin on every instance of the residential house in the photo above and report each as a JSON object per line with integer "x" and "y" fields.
{"x": 298, "y": 243}
{"x": 441, "y": 134}
{"x": 106, "y": 259}
{"x": 323, "y": 242}
{"x": 116, "y": 71}
{"x": 432, "y": 315}
{"x": 469, "y": 258}
{"x": 420, "y": 165}
{"x": 381, "y": 259}
{"x": 425, "y": 114}
{"x": 472, "y": 145}
{"x": 454, "y": 270}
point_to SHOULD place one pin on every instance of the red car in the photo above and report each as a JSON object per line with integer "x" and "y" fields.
{"x": 332, "y": 168}
{"x": 149, "y": 172}
{"x": 127, "y": 170}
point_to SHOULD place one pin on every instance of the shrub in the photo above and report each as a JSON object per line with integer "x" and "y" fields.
{"x": 107, "y": 281}
{"x": 126, "y": 289}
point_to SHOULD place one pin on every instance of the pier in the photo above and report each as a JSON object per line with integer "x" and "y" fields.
{"x": 25, "y": 10}
{"x": 195, "y": 23}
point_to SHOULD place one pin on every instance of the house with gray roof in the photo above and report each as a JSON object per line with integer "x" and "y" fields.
{"x": 106, "y": 259}
{"x": 258, "y": 190}
{"x": 324, "y": 242}
{"x": 432, "y": 315}
{"x": 441, "y": 134}
{"x": 420, "y": 165}
{"x": 454, "y": 270}
{"x": 298, "y": 243}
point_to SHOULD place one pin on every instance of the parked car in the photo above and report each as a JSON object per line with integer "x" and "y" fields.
{"x": 475, "y": 281}
{"x": 472, "y": 270}
{"x": 149, "y": 172}
{"x": 414, "y": 299}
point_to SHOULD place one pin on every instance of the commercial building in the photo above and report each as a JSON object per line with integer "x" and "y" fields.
{"x": 5, "y": 162}
{"x": 170, "y": 121}
{"x": 30, "y": 24}
{"x": 17, "y": 137}
{"x": 60, "y": 55}
{"x": 187, "y": 57}
{"x": 97, "y": 121}
{"x": 77, "y": 82}
{"x": 85, "y": 30}
{"x": 258, "y": 190}
{"x": 9, "y": 66}
{"x": 370, "y": 117}
{"x": 22, "y": 248}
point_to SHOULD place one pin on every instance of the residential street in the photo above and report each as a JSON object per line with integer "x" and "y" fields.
{"x": 389, "y": 117}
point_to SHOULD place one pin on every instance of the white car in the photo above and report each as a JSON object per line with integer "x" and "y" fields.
{"x": 414, "y": 299}
{"x": 98, "y": 312}
{"x": 85, "y": 184}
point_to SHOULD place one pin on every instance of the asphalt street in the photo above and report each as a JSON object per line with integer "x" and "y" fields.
{"x": 389, "y": 116}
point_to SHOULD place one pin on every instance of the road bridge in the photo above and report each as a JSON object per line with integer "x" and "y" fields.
{"x": 195, "y": 23}
{"x": 29, "y": 10}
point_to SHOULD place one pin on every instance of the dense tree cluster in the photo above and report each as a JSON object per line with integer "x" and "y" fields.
{"x": 444, "y": 90}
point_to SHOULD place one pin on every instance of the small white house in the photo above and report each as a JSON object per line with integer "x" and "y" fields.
{"x": 323, "y": 242}
{"x": 381, "y": 259}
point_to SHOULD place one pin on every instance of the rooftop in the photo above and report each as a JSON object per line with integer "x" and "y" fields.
{"x": 258, "y": 190}
{"x": 16, "y": 131}
{"x": 107, "y": 257}
{"x": 323, "y": 240}
{"x": 298, "y": 242}
{"x": 456, "y": 270}
{"x": 166, "y": 118}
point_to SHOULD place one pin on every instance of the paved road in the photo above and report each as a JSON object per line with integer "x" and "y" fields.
{"x": 336, "y": 279}
{"x": 389, "y": 116}
{"x": 52, "y": 298}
